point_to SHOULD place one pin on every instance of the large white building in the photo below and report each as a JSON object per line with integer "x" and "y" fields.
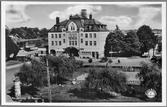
{"x": 81, "y": 32}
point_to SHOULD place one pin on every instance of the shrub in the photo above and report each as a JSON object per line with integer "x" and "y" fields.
{"x": 106, "y": 80}
{"x": 110, "y": 61}
{"x": 104, "y": 59}
{"x": 90, "y": 60}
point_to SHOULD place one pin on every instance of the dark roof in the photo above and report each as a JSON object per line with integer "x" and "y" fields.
{"x": 89, "y": 25}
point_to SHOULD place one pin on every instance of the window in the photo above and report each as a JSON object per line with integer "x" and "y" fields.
{"x": 72, "y": 42}
{"x": 52, "y": 43}
{"x": 59, "y": 35}
{"x": 55, "y": 35}
{"x": 59, "y": 42}
{"x": 94, "y": 43}
{"x": 90, "y": 42}
{"x": 75, "y": 42}
{"x": 81, "y": 40}
{"x": 90, "y": 35}
{"x": 86, "y": 43}
{"x": 56, "y": 43}
{"x": 64, "y": 35}
{"x": 69, "y": 42}
{"x": 94, "y": 35}
{"x": 86, "y": 35}
{"x": 52, "y": 36}
{"x": 72, "y": 26}
{"x": 81, "y": 34}
{"x": 64, "y": 40}
{"x": 41, "y": 52}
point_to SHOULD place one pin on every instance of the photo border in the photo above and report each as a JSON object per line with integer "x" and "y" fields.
{"x": 3, "y": 74}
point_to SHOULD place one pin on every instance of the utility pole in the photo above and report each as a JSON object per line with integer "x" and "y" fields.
{"x": 48, "y": 77}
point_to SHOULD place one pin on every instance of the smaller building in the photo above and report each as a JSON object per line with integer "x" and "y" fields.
{"x": 41, "y": 51}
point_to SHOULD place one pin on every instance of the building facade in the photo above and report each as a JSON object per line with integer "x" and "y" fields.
{"x": 85, "y": 34}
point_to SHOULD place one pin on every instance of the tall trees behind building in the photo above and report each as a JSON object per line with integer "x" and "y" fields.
{"x": 29, "y": 33}
{"x": 130, "y": 44}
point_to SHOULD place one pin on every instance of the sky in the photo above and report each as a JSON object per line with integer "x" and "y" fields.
{"x": 126, "y": 16}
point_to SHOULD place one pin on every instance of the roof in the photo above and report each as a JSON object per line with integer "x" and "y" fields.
{"x": 89, "y": 25}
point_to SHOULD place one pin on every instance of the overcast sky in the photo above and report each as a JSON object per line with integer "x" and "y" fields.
{"x": 126, "y": 16}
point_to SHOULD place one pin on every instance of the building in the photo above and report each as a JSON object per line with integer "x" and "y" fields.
{"x": 157, "y": 32}
{"x": 85, "y": 34}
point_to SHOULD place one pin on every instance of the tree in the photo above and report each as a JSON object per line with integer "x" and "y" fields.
{"x": 106, "y": 80}
{"x": 146, "y": 37}
{"x": 11, "y": 47}
{"x": 114, "y": 41}
{"x": 151, "y": 76}
{"x": 33, "y": 73}
{"x": 62, "y": 66}
{"x": 133, "y": 44}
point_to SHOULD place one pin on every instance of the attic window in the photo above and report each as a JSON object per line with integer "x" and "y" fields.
{"x": 90, "y": 27}
{"x": 72, "y": 27}
{"x": 56, "y": 27}
{"x": 81, "y": 29}
{"x": 63, "y": 29}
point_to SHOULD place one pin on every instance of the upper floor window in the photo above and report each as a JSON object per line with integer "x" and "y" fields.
{"x": 94, "y": 43}
{"x": 90, "y": 42}
{"x": 59, "y": 35}
{"x": 94, "y": 35}
{"x": 72, "y": 42}
{"x": 64, "y": 35}
{"x": 59, "y": 42}
{"x": 90, "y": 35}
{"x": 52, "y": 43}
{"x": 69, "y": 42}
{"x": 52, "y": 35}
{"x": 55, "y": 35}
{"x": 56, "y": 43}
{"x": 75, "y": 42}
{"x": 86, "y": 35}
{"x": 64, "y": 40}
{"x": 86, "y": 43}
{"x": 81, "y": 40}
{"x": 81, "y": 34}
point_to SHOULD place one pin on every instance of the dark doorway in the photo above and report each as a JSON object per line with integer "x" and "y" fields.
{"x": 93, "y": 54}
{"x": 97, "y": 55}
{"x": 72, "y": 51}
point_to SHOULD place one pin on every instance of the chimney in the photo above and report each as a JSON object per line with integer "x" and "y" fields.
{"x": 84, "y": 13}
{"x": 70, "y": 16}
{"x": 57, "y": 20}
{"x": 90, "y": 16}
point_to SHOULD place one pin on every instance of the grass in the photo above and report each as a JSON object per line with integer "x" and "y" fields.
{"x": 12, "y": 62}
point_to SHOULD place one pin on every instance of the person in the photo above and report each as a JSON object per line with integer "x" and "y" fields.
{"x": 119, "y": 61}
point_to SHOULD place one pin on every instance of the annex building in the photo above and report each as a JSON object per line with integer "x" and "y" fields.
{"x": 84, "y": 33}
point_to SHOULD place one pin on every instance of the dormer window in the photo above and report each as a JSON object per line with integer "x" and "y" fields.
{"x": 72, "y": 26}
{"x": 63, "y": 29}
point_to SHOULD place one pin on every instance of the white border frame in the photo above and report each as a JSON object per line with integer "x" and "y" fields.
{"x": 3, "y": 65}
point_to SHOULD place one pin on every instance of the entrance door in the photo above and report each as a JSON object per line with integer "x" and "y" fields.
{"x": 93, "y": 54}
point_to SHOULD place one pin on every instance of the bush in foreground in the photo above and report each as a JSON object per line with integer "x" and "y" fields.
{"x": 106, "y": 80}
